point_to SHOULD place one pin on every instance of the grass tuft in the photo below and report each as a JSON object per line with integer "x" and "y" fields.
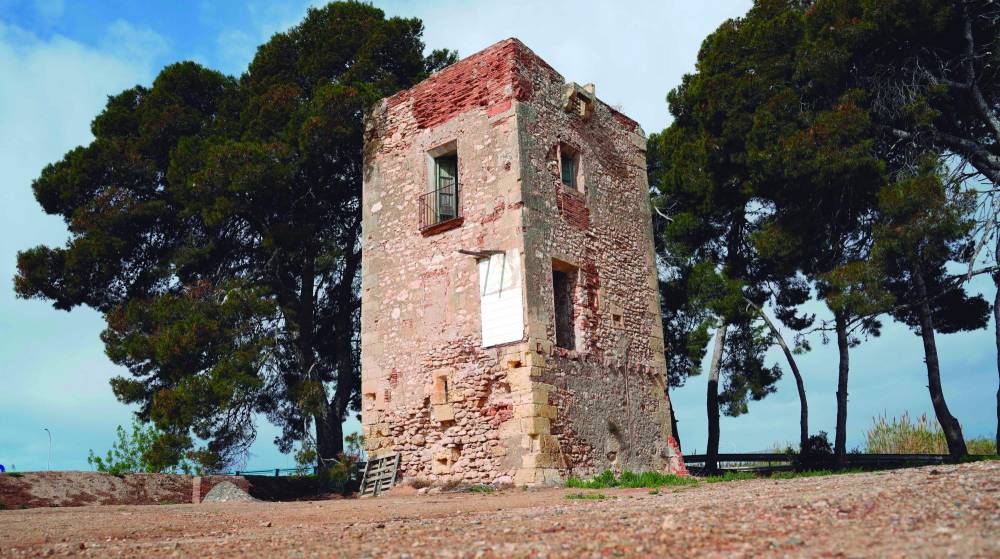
{"x": 587, "y": 496}
{"x": 481, "y": 488}
{"x": 629, "y": 479}
{"x": 731, "y": 476}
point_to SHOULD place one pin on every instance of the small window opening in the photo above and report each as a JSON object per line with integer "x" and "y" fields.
{"x": 568, "y": 170}
{"x": 563, "y": 284}
{"x": 616, "y": 318}
{"x": 569, "y": 166}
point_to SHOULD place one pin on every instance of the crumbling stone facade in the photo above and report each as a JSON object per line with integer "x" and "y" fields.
{"x": 510, "y": 320}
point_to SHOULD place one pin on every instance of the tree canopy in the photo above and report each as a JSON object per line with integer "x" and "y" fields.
{"x": 797, "y": 162}
{"x": 214, "y": 222}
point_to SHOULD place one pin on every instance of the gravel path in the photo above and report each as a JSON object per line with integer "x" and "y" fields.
{"x": 921, "y": 512}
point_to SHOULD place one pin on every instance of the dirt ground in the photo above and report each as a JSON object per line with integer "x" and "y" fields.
{"x": 923, "y": 512}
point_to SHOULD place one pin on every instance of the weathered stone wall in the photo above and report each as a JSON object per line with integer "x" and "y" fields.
{"x": 609, "y": 393}
{"x": 429, "y": 390}
{"x": 523, "y": 412}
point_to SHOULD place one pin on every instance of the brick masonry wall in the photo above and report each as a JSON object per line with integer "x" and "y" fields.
{"x": 524, "y": 412}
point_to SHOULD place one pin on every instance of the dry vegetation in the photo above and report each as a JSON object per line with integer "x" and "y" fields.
{"x": 921, "y": 436}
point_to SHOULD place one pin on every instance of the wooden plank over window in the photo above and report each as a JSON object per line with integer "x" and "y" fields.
{"x": 501, "y": 306}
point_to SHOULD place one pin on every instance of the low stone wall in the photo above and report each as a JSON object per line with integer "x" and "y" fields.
{"x": 73, "y": 489}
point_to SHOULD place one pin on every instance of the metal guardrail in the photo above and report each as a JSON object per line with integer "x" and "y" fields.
{"x": 856, "y": 460}
{"x": 279, "y": 472}
{"x": 276, "y": 472}
{"x": 441, "y": 204}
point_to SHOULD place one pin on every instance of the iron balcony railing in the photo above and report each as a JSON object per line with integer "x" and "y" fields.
{"x": 441, "y": 204}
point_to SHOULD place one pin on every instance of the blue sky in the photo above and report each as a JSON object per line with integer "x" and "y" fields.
{"x": 59, "y": 61}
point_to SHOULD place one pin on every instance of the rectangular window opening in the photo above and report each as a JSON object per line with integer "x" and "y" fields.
{"x": 446, "y": 186}
{"x": 563, "y": 286}
{"x": 441, "y": 203}
{"x": 569, "y": 167}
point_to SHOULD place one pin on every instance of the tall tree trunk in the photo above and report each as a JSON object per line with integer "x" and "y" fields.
{"x": 996, "y": 332}
{"x": 711, "y": 458}
{"x": 951, "y": 427}
{"x": 673, "y": 426}
{"x": 329, "y": 438}
{"x": 840, "y": 438}
{"x": 347, "y": 379}
{"x": 799, "y": 383}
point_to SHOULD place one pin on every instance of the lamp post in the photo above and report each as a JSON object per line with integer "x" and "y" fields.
{"x": 50, "y": 448}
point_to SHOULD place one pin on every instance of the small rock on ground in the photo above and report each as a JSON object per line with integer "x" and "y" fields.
{"x": 227, "y": 492}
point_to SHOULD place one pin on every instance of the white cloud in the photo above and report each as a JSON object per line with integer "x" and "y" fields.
{"x": 52, "y": 367}
{"x": 633, "y": 52}
{"x": 234, "y": 50}
{"x": 136, "y": 45}
{"x": 236, "y": 46}
{"x": 634, "y": 61}
{"x": 49, "y": 9}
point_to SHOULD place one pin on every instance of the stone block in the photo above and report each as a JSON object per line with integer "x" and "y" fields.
{"x": 522, "y": 378}
{"x": 443, "y": 412}
{"x": 535, "y": 426}
{"x": 534, "y": 410}
{"x": 547, "y": 444}
{"x": 542, "y": 460}
{"x": 537, "y": 394}
{"x": 527, "y": 476}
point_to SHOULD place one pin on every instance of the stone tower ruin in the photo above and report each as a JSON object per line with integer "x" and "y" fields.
{"x": 510, "y": 320}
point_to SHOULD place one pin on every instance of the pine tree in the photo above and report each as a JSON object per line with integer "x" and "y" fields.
{"x": 215, "y": 223}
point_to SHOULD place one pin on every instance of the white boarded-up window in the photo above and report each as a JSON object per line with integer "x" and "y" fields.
{"x": 500, "y": 298}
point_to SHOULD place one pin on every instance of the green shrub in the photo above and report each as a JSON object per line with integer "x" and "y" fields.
{"x": 922, "y": 436}
{"x": 818, "y": 452}
{"x": 144, "y": 451}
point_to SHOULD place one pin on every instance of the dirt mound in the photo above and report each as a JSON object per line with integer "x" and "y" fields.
{"x": 227, "y": 492}
{"x": 61, "y": 489}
